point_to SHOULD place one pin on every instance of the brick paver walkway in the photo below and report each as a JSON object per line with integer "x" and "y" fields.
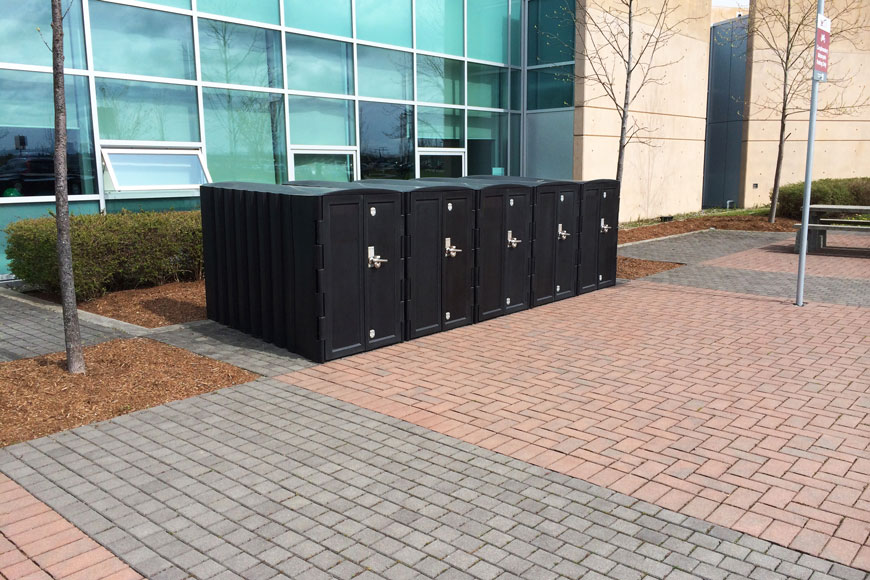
{"x": 267, "y": 480}
{"x": 37, "y": 544}
{"x": 830, "y": 262}
{"x": 744, "y": 411}
{"x": 28, "y": 330}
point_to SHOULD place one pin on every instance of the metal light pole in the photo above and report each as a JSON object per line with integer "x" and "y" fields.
{"x": 820, "y": 73}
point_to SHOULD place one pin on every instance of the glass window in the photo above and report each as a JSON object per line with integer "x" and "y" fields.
{"x": 386, "y": 133}
{"x": 134, "y": 40}
{"x": 516, "y": 89}
{"x": 550, "y": 88}
{"x": 239, "y": 55}
{"x": 323, "y": 166}
{"x": 315, "y": 121}
{"x": 137, "y": 111}
{"x": 440, "y": 165}
{"x": 550, "y": 144}
{"x": 440, "y": 26}
{"x": 487, "y": 86}
{"x": 516, "y": 32}
{"x": 438, "y": 127}
{"x": 440, "y": 80}
{"x": 22, "y": 43}
{"x": 517, "y": 142}
{"x": 138, "y": 170}
{"x": 258, "y": 10}
{"x": 386, "y": 21}
{"x": 487, "y": 143}
{"x": 244, "y": 134}
{"x": 387, "y": 74}
{"x": 327, "y": 16}
{"x": 27, "y": 135}
{"x": 551, "y": 31}
{"x": 173, "y": 3}
{"x": 488, "y": 30}
{"x": 319, "y": 65}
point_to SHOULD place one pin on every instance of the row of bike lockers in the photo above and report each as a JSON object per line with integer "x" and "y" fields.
{"x": 330, "y": 269}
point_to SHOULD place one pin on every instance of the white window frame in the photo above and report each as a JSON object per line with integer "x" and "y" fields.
{"x": 326, "y": 150}
{"x": 107, "y": 151}
{"x": 442, "y": 152}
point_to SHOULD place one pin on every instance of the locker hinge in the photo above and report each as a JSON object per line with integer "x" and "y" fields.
{"x": 321, "y": 327}
{"x": 318, "y": 232}
{"x": 318, "y": 257}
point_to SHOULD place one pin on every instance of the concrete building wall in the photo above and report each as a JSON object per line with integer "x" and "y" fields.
{"x": 665, "y": 176}
{"x": 722, "y": 13}
{"x": 842, "y": 146}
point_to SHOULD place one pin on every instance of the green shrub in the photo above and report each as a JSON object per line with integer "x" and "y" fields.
{"x": 852, "y": 191}
{"x": 110, "y": 252}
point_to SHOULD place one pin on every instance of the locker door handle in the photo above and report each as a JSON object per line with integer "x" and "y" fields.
{"x": 511, "y": 240}
{"x": 375, "y": 261}
{"x": 450, "y": 250}
{"x": 562, "y": 235}
{"x": 604, "y": 227}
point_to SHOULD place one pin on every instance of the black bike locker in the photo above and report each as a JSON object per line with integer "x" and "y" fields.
{"x": 439, "y": 255}
{"x": 555, "y": 244}
{"x": 599, "y": 236}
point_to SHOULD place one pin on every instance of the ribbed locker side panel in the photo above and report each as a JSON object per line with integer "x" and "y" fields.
{"x": 264, "y": 251}
{"x": 278, "y": 268}
{"x": 252, "y": 249}
{"x": 241, "y": 250}
{"x": 230, "y": 247}
{"x": 210, "y": 263}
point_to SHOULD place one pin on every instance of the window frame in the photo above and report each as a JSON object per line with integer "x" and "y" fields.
{"x": 116, "y": 188}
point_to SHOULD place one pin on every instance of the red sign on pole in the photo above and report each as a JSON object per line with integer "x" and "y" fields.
{"x": 823, "y": 43}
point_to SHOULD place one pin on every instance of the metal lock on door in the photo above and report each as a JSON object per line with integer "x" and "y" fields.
{"x": 375, "y": 261}
{"x": 450, "y": 250}
{"x": 604, "y": 227}
{"x": 562, "y": 235}
{"x": 511, "y": 240}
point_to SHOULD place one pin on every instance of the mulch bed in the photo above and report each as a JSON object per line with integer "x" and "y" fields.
{"x": 164, "y": 305}
{"x": 633, "y": 268}
{"x": 754, "y": 223}
{"x": 38, "y": 397}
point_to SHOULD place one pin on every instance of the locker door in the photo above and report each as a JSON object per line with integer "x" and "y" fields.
{"x": 518, "y": 254}
{"x": 382, "y": 216}
{"x": 567, "y": 243}
{"x": 491, "y": 256}
{"x": 608, "y": 239}
{"x": 544, "y": 248}
{"x": 590, "y": 227}
{"x": 423, "y": 264}
{"x": 344, "y": 266}
{"x": 457, "y": 210}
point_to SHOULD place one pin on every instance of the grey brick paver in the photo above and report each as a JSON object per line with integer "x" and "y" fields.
{"x": 254, "y": 477}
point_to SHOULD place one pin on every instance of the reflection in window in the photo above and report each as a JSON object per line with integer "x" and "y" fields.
{"x": 440, "y": 165}
{"x": 173, "y": 3}
{"x": 385, "y": 21}
{"x": 136, "y": 170}
{"x": 258, "y": 10}
{"x": 323, "y": 166}
{"x": 516, "y": 89}
{"x": 316, "y": 121}
{"x": 517, "y": 142}
{"x": 440, "y": 80}
{"x": 21, "y": 42}
{"x": 516, "y": 32}
{"x": 137, "y": 111}
{"x": 245, "y": 135}
{"x": 487, "y": 143}
{"x": 386, "y": 74}
{"x": 437, "y": 127}
{"x": 319, "y": 65}
{"x": 487, "y": 86}
{"x": 27, "y": 135}
{"x": 550, "y": 88}
{"x": 551, "y": 31}
{"x": 240, "y": 55}
{"x": 440, "y": 26}
{"x": 386, "y": 141}
{"x": 488, "y": 30}
{"x": 327, "y": 16}
{"x": 134, "y": 40}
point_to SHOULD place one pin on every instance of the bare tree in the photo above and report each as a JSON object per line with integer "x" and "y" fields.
{"x": 620, "y": 44}
{"x": 75, "y": 361}
{"x": 782, "y": 36}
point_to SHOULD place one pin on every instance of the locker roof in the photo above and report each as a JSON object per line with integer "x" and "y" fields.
{"x": 475, "y": 183}
{"x": 320, "y": 187}
{"x": 530, "y": 181}
{"x": 406, "y": 185}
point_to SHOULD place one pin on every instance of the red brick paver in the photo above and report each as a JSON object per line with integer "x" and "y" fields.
{"x": 780, "y": 257}
{"x": 743, "y": 410}
{"x": 37, "y": 543}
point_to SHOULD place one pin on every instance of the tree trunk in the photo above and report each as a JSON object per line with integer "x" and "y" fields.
{"x": 777, "y": 174}
{"x": 626, "y": 101}
{"x": 75, "y": 361}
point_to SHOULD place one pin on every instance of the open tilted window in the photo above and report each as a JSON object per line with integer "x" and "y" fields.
{"x": 155, "y": 170}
